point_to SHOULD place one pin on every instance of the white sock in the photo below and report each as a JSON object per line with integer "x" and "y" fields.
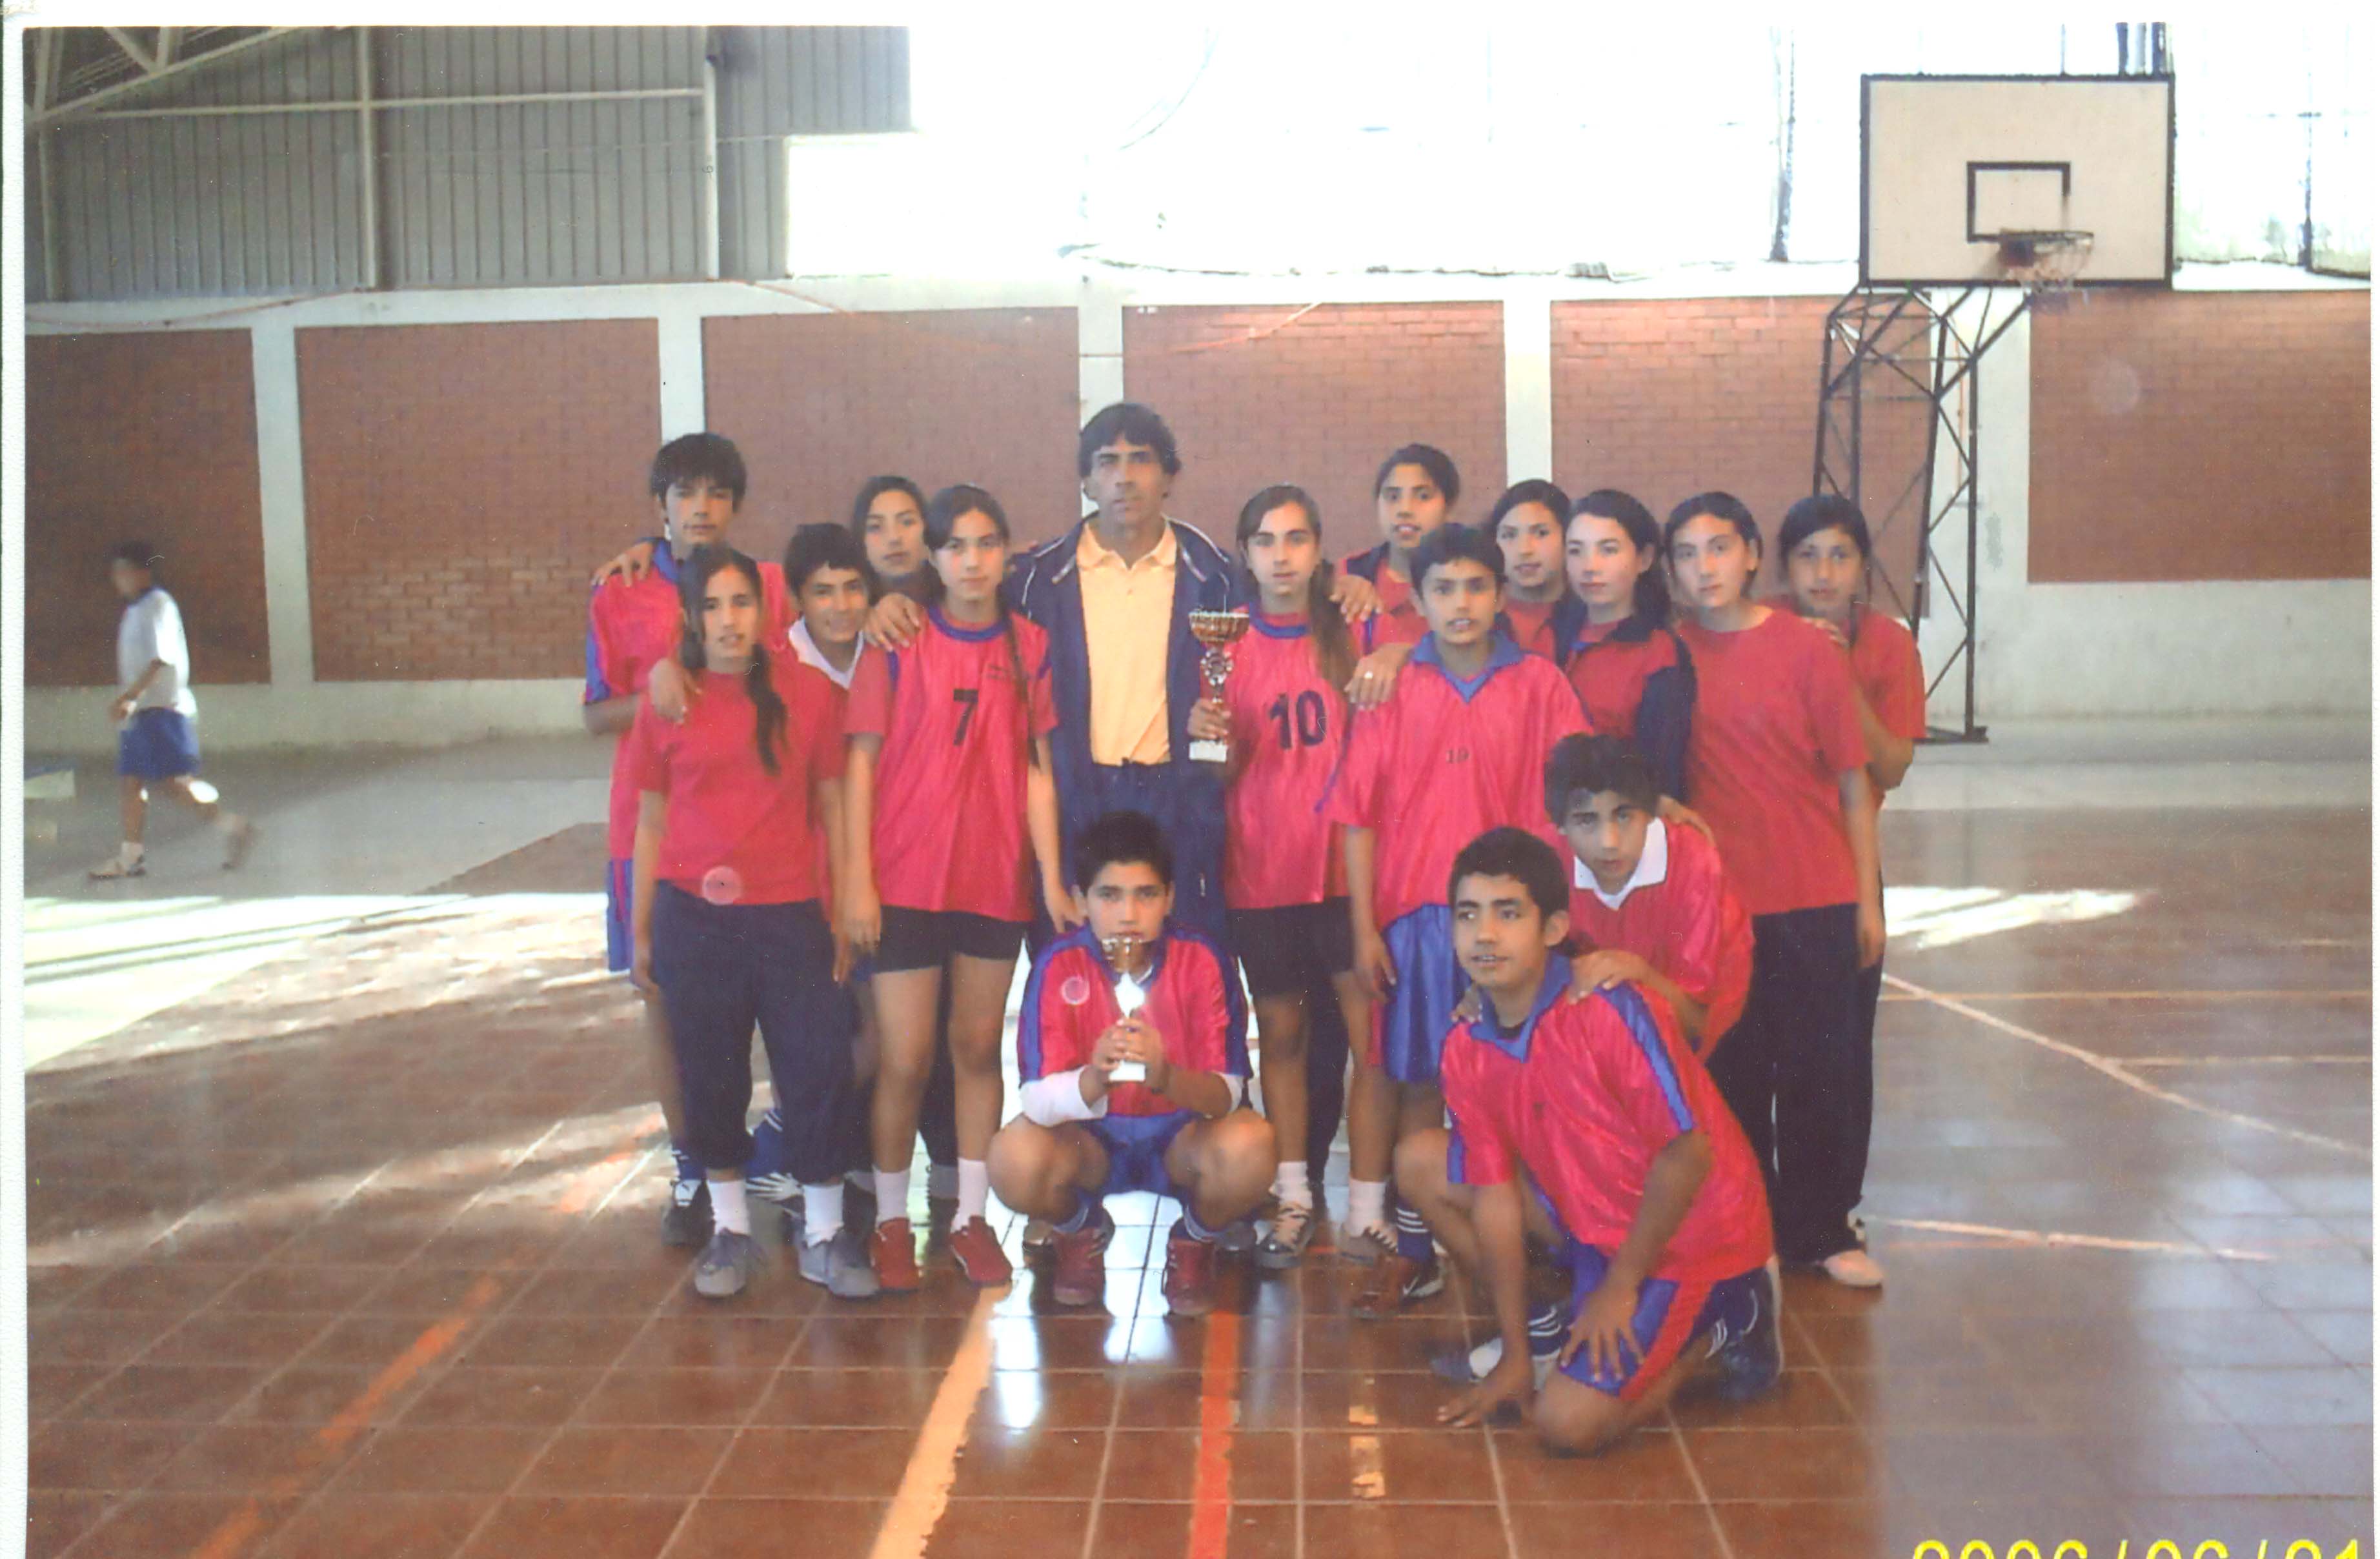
{"x": 975, "y": 1190}
{"x": 821, "y": 1212}
{"x": 1368, "y": 1204}
{"x": 892, "y": 1194}
{"x": 727, "y": 1208}
{"x": 129, "y": 854}
{"x": 1289, "y": 1183}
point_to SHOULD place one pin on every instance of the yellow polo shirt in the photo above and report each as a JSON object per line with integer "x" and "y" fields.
{"x": 1127, "y": 622}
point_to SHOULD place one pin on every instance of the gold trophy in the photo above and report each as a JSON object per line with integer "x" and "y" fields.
{"x": 1122, "y": 952}
{"x": 1217, "y": 631}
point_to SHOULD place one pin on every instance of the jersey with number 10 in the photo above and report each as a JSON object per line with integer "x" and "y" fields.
{"x": 949, "y": 825}
{"x": 1287, "y": 727}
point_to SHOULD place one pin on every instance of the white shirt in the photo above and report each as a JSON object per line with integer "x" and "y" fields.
{"x": 149, "y": 630}
{"x": 1652, "y": 868}
{"x": 807, "y": 650}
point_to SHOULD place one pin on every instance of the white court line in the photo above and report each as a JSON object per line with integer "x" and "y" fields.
{"x": 2088, "y": 1241}
{"x": 2249, "y": 1061}
{"x": 925, "y": 1489}
{"x": 2116, "y": 1069}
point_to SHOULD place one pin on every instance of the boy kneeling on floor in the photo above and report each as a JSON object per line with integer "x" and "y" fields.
{"x": 1591, "y": 1126}
{"x": 1129, "y": 990}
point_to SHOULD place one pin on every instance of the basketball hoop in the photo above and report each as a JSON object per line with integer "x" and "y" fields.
{"x": 2045, "y": 264}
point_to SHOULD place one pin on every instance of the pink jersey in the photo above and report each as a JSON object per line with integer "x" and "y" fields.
{"x": 1399, "y": 619}
{"x": 1582, "y": 1097}
{"x": 1193, "y": 1002}
{"x": 1775, "y": 723}
{"x": 1685, "y": 922}
{"x": 628, "y": 628}
{"x": 1289, "y": 726}
{"x": 1440, "y": 763}
{"x": 738, "y": 833}
{"x": 949, "y": 825}
{"x": 1886, "y": 670}
{"x": 1532, "y": 625}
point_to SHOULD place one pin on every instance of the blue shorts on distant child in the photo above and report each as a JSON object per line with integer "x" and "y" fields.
{"x": 157, "y": 744}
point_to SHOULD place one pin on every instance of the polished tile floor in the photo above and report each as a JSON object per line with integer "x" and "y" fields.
{"x": 350, "y": 1251}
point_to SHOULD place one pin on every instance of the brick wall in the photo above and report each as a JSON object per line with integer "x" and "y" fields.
{"x": 461, "y": 483}
{"x": 820, "y": 403}
{"x": 1670, "y": 397}
{"x": 2203, "y": 435}
{"x": 150, "y": 436}
{"x": 1318, "y": 397}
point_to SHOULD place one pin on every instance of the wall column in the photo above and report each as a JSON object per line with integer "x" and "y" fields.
{"x": 1099, "y": 335}
{"x": 682, "y": 405}
{"x": 1528, "y": 387}
{"x": 281, "y": 490}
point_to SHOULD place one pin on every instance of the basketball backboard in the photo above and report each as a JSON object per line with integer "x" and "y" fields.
{"x": 1953, "y": 166}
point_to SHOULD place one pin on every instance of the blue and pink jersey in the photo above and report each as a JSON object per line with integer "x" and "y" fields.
{"x": 1193, "y": 1002}
{"x": 1583, "y": 1095}
{"x": 1445, "y": 760}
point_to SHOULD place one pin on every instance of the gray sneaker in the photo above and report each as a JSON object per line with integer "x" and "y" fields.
{"x": 727, "y": 1265}
{"x": 839, "y": 1265}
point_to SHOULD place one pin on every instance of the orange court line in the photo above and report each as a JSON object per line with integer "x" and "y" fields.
{"x": 1218, "y": 1383}
{"x": 241, "y": 1525}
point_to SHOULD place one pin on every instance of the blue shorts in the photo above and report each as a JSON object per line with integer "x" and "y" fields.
{"x": 619, "y": 890}
{"x": 1409, "y": 1029}
{"x": 1669, "y": 1316}
{"x": 158, "y": 745}
{"x": 1136, "y": 1146}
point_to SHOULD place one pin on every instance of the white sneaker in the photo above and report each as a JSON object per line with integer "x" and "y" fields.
{"x": 1854, "y": 1268}
{"x": 1482, "y": 1360}
{"x": 117, "y": 866}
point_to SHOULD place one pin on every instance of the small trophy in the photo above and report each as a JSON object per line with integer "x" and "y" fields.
{"x": 1217, "y": 631}
{"x": 1122, "y": 952}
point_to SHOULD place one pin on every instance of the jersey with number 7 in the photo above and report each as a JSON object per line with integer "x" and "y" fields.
{"x": 957, "y": 712}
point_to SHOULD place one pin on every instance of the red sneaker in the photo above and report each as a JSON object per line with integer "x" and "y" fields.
{"x": 976, "y": 1250}
{"x": 892, "y": 1251}
{"x": 1189, "y": 1273}
{"x": 1081, "y": 1277}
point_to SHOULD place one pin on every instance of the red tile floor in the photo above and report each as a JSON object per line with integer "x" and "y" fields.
{"x": 353, "y": 1254}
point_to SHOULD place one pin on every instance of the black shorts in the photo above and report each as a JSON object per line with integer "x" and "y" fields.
{"x": 926, "y": 939}
{"x": 1281, "y": 949}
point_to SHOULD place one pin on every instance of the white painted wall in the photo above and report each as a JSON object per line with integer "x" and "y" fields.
{"x": 2048, "y": 650}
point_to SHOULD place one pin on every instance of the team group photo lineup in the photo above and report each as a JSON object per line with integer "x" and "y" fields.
{"x": 1533, "y": 838}
{"x": 1194, "y": 785}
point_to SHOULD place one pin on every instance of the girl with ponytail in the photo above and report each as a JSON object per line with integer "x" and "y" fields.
{"x": 1284, "y": 874}
{"x": 952, "y": 826}
{"x": 728, "y": 929}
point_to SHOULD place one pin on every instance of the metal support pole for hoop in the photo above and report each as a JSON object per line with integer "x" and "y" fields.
{"x": 1939, "y": 360}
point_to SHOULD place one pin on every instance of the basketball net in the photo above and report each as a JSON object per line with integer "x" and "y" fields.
{"x": 2045, "y": 264}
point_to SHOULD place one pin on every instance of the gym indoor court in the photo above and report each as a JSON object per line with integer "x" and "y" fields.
{"x": 343, "y": 1171}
